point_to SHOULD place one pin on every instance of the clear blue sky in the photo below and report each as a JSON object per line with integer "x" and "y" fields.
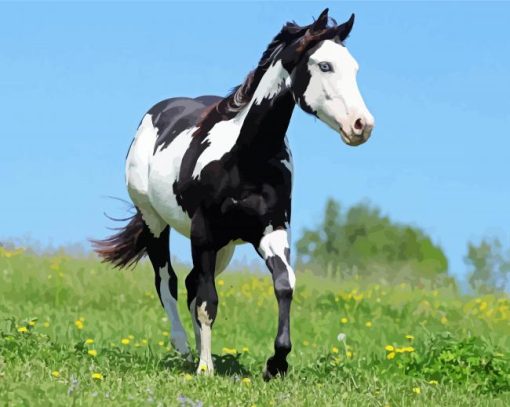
{"x": 75, "y": 79}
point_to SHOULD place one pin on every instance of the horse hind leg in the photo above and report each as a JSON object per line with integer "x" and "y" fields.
{"x": 166, "y": 286}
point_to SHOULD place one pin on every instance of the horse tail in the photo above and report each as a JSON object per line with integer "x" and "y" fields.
{"x": 126, "y": 247}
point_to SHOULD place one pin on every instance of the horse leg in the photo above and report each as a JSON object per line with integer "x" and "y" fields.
{"x": 204, "y": 248}
{"x": 222, "y": 260}
{"x": 191, "y": 287}
{"x": 166, "y": 286}
{"x": 274, "y": 248}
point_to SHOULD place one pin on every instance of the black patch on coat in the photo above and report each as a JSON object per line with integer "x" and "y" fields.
{"x": 300, "y": 81}
{"x": 286, "y": 251}
{"x": 172, "y": 116}
{"x": 277, "y": 266}
{"x": 159, "y": 255}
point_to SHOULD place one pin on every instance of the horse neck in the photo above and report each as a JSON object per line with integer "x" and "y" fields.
{"x": 267, "y": 116}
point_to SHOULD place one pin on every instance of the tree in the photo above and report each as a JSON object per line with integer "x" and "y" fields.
{"x": 490, "y": 266}
{"x": 363, "y": 237}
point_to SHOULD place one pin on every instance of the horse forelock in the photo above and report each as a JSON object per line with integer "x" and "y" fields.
{"x": 300, "y": 37}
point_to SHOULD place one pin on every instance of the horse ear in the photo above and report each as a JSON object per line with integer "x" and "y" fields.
{"x": 321, "y": 22}
{"x": 344, "y": 29}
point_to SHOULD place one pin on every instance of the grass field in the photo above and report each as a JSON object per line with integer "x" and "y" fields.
{"x": 76, "y": 332}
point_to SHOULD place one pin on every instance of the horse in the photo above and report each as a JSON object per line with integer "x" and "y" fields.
{"x": 219, "y": 171}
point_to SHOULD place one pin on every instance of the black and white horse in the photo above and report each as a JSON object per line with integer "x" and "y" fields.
{"x": 219, "y": 171}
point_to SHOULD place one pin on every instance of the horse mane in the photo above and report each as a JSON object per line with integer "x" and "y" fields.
{"x": 241, "y": 95}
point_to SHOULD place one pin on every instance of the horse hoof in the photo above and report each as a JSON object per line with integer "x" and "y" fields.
{"x": 275, "y": 368}
{"x": 204, "y": 370}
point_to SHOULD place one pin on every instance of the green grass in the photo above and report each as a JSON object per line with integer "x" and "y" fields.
{"x": 459, "y": 353}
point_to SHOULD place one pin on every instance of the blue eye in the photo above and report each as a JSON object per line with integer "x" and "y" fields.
{"x": 325, "y": 66}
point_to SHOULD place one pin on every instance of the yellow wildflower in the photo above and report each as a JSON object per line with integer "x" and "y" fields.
{"x": 125, "y": 341}
{"x": 55, "y": 374}
{"x": 389, "y": 348}
{"x": 408, "y": 349}
{"x": 32, "y": 323}
{"x": 92, "y": 352}
{"x": 22, "y": 329}
{"x": 165, "y": 333}
{"x": 161, "y": 343}
{"x": 89, "y": 341}
{"x": 97, "y": 376}
{"x": 334, "y": 349}
{"x": 79, "y": 324}
{"x": 391, "y": 355}
{"x": 416, "y": 390}
{"x": 410, "y": 337}
{"x": 434, "y": 382}
{"x": 344, "y": 320}
{"x": 245, "y": 349}
{"x": 349, "y": 354}
{"x": 368, "y": 324}
{"x": 229, "y": 351}
{"x": 246, "y": 380}
{"x": 220, "y": 282}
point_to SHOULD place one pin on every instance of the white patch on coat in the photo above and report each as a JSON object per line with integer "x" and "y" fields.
{"x": 274, "y": 244}
{"x": 137, "y": 174}
{"x": 178, "y": 334}
{"x": 335, "y": 95}
{"x": 272, "y": 83}
{"x": 164, "y": 170}
{"x": 205, "y": 366}
{"x": 223, "y": 135}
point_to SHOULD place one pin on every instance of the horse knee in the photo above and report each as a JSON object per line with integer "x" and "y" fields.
{"x": 282, "y": 345}
{"x": 283, "y": 292}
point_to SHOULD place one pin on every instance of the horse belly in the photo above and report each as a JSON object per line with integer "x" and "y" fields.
{"x": 164, "y": 170}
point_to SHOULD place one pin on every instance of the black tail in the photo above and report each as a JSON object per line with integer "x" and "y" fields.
{"x": 125, "y": 248}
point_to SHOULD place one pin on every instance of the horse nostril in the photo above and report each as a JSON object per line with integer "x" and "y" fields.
{"x": 359, "y": 125}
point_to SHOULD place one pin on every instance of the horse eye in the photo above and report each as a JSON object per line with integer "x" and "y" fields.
{"x": 325, "y": 66}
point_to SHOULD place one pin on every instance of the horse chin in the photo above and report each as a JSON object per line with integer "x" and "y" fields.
{"x": 352, "y": 141}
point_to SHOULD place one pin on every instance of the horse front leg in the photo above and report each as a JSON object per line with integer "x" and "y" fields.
{"x": 204, "y": 252}
{"x": 274, "y": 248}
